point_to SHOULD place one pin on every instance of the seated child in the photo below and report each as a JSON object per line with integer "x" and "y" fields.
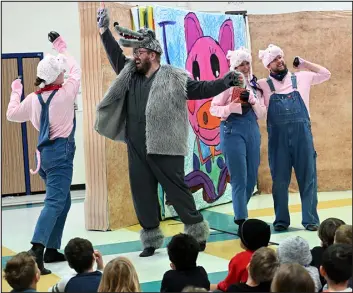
{"x": 261, "y": 270}
{"x": 295, "y": 249}
{"x": 326, "y": 234}
{"x": 337, "y": 267}
{"x": 81, "y": 257}
{"x": 183, "y": 250}
{"x": 253, "y": 234}
{"x": 22, "y": 273}
{"x": 344, "y": 235}
{"x": 119, "y": 275}
{"x": 292, "y": 277}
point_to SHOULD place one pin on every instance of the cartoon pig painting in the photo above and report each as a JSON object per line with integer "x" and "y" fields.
{"x": 207, "y": 60}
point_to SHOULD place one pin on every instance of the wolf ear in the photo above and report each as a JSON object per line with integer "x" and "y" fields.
{"x": 152, "y": 33}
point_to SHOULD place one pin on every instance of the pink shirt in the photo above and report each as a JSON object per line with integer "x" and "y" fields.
{"x": 305, "y": 79}
{"x": 222, "y": 107}
{"x": 61, "y": 108}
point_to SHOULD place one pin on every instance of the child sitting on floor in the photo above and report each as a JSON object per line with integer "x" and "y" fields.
{"x": 253, "y": 234}
{"x": 292, "y": 277}
{"x": 337, "y": 267}
{"x": 22, "y": 273}
{"x": 295, "y": 249}
{"x": 81, "y": 257}
{"x": 326, "y": 234}
{"x": 261, "y": 270}
{"x": 119, "y": 275}
{"x": 183, "y": 250}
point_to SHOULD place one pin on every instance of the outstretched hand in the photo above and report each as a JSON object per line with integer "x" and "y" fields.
{"x": 58, "y": 42}
{"x": 52, "y": 36}
{"x": 103, "y": 16}
{"x": 234, "y": 78}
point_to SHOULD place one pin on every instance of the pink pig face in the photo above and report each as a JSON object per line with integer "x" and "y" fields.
{"x": 206, "y": 61}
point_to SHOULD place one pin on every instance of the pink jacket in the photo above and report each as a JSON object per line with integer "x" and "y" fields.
{"x": 221, "y": 105}
{"x": 61, "y": 109}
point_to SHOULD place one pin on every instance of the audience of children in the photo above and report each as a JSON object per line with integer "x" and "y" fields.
{"x": 82, "y": 258}
{"x": 22, "y": 273}
{"x": 183, "y": 251}
{"x": 292, "y": 277}
{"x": 296, "y": 249}
{"x": 253, "y": 234}
{"x": 119, "y": 275}
{"x": 261, "y": 270}
{"x": 337, "y": 267}
{"x": 293, "y": 268}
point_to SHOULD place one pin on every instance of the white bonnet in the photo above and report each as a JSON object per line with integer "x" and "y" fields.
{"x": 50, "y": 67}
{"x": 270, "y": 54}
{"x": 238, "y": 56}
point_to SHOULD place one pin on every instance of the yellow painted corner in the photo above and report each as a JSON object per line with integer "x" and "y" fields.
{"x": 168, "y": 227}
{"x": 6, "y": 252}
{"x": 43, "y": 285}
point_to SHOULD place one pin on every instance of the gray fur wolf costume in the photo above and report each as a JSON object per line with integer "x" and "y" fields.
{"x": 150, "y": 115}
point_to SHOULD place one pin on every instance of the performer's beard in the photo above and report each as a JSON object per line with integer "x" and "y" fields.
{"x": 143, "y": 66}
{"x": 280, "y": 70}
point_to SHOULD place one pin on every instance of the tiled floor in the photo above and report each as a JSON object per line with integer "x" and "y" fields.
{"x": 18, "y": 224}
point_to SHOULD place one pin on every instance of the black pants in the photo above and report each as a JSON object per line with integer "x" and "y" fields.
{"x": 145, "y": 172}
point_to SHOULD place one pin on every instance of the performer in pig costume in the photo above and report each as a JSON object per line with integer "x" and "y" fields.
{"x": 290, "y": 141}
{"x": 146, "y": 108}
{"x": 239, "y": 110}
{"x": 51, "y": 110}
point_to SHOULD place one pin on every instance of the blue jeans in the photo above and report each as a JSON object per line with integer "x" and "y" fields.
{"x": 291, "y": 144}
{"x": 56, "y": 171}
{"x": 240, "y": 144}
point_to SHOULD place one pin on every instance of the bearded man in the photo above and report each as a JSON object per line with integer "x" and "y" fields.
{"x": 290, "y": 140}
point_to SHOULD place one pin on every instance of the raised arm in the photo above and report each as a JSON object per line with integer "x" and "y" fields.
{"x": 72, "y": 84}
{"x": 115, "y": 54}
{"x": 18, "y": 111}
{"x": 317, "y": 73}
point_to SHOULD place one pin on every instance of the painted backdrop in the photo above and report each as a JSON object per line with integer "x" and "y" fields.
{"x": 198, "y": 42}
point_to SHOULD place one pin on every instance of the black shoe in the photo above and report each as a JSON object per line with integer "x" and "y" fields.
{"x": 53, "y": 255}
{"x": 239, "y": 222}
{"x": 202, "y": 245}
{"x": 280, "y": 228}
{"x": 148, "y": 251}
{"x": 311, "y": 227}
{"x": 37, "y": 251}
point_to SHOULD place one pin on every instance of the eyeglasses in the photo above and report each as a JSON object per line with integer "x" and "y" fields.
{"x": 138, "y": 53}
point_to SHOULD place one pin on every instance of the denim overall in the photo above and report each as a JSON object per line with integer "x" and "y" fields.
{"x": 290, "y": 144}
{"x": 56, "y": 170}
{"x": 240, "y": 145}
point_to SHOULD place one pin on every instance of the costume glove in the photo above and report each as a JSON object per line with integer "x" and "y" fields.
{"x": 234, "y": 78}
{"x": 103, "y": 18}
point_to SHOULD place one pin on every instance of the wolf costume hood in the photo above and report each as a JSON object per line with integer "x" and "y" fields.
{"x": 143, "y": 38}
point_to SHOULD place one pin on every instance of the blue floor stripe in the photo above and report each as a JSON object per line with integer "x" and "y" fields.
{"x": 35, "y": 205}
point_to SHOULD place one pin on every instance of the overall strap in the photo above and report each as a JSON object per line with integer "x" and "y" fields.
{"x": 40, "y": 98}
{"x": 51, "y": 97}
{"x": 270, "y": 83}
{"x": 72, "y": 134}
{"x": 294, "y": 81}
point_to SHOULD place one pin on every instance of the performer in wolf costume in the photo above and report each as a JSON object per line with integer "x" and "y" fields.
{"x": 146, "y": 108}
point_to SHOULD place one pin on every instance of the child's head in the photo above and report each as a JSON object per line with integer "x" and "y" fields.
{"x": 327, "y": 231}
{"x": 183, "y": 250}
{"x": 119, "y": 275}
{"x": 294, "y": 249}
{"x": 263, "y": 265}
{"x": 344, "y": 234}
{"x": 21, "y": 272}
{"x": 254, "y": 234}
{"x": 79, "y": 254}
{"x": 337, "y": 263}
{"x": 292, "y": 277}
